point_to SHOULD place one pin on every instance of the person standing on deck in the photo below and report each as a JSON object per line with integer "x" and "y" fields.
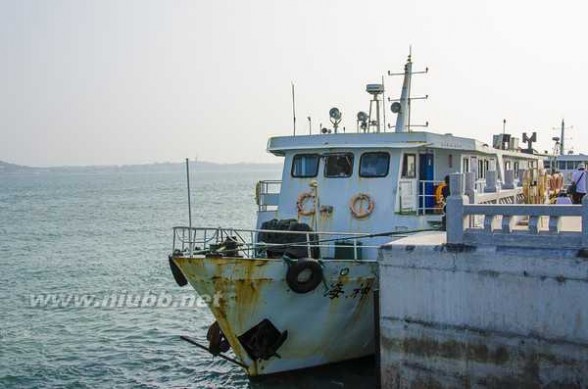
{"x": 579, "y": 177}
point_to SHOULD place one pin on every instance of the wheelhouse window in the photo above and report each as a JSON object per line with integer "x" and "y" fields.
{"x": 338, "y": 165}
{"x": 305, "y": 165}
{"x": 374, "y": 164}
{"x": 409, "y": 166}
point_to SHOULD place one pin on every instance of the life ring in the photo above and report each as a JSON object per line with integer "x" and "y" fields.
{"x": 300, "y": 204}
{"x": 359, "y": 212}
{"x": 439, "y": 200}
{"x": 304, "y": 284}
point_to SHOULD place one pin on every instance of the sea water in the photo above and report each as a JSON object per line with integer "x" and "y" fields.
{"x": 86, "y": 295}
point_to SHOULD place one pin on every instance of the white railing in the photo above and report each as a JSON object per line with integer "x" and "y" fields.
{"x": 229, "y": 242}
{"x": 483, "y": 191}
{"x": 267, "y": 194}
{"x": 543, "y": 225}
{"x": 427, "y": 202}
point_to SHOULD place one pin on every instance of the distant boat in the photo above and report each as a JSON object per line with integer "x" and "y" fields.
{"x": 565, "y": 164}
{"x": 297, "y": 290}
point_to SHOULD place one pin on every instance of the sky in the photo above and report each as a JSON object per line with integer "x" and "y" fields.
{"x": 139, "y": 81}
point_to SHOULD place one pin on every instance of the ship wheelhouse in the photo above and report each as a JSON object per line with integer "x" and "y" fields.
{"x": 374, "y": 182}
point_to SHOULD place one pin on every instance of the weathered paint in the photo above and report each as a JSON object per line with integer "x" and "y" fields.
{"x": 326, "y": 325}
{"x": 483, "y": 316}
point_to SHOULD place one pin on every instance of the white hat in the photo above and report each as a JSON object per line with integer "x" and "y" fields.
{"x": 581, "y": 165}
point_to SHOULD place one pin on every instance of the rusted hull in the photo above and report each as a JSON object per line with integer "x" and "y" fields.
{"x": 332, "y": 323}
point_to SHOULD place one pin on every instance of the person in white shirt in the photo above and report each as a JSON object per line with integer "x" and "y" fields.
{"x": 579, "y": 177}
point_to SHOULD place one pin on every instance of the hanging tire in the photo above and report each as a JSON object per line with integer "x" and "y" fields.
{"x": 217, "y": 342}
{"x": 177, "y": 273}
{"x": 304, "y": 275}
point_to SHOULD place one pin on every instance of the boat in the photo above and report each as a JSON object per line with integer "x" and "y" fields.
{"x": 561, "y": 163}
{"x": 297, "y": 290}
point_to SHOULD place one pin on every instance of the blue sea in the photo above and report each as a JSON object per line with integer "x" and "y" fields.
{"x": 86, "y": 296}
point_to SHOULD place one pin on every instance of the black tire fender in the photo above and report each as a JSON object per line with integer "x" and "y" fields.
{"x": 177, "y": 273}
{"x": 295, "y": 269}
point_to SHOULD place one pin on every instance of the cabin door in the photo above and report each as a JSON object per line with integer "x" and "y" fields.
{"x": 426, "y": 185}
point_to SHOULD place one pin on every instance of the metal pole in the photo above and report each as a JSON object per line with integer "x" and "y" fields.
{"x": 294, "y": 109}
{"x": 189, "y": 207}
{"x": 384, "y": 103}
{"x": 503, "y": 132}
{"x": 561, "y": 144}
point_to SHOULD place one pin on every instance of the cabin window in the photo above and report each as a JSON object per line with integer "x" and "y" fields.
{"x": 409, "y": 166}
{"x": 466, "y": 165}
{"x": 338, "y": 165}
{"x": 374, "y": 164}
{"x": 506, "y": 165}
{"x": 305, "y": 165}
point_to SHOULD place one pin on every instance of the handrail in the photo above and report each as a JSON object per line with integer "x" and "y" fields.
{"x": 500, "y": 222}
{"x": 244, "y": 242}
{"x": 423, "y": 196}
{"x": 265, "y": 197}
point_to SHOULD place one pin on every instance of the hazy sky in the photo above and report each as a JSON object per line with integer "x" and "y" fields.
{"x": 119, "y": 82}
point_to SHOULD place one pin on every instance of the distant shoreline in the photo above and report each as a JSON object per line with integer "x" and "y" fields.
{"x": 9, "y": 168}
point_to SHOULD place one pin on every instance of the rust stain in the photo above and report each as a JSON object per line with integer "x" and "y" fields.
{"x": 451, "y": 349}
{"x": 240, "y": 283}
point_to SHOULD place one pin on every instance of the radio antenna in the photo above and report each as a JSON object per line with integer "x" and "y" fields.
{"x": 189, "y": 206}
{"x": 293, "y": 108}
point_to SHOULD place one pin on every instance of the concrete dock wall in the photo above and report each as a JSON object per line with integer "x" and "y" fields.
{"x": 483, "y": 317}
{"x": 494, "y": 304}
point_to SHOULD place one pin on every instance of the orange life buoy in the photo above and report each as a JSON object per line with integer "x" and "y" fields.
{"x": 300, "y": 204}
{"x": 439, "y": 200}
{"x": 360, "y": 212}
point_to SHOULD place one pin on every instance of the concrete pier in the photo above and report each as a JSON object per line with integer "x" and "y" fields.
{"x": 494, "y": 304}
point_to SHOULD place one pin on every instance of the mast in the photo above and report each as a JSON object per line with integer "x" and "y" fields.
{"x": 561, "y": 145}
{"x": 190, "y": 243}
{"x": 404, "y": 98}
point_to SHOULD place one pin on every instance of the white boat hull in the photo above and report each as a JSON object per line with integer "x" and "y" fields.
{"x": 332, "y": 323}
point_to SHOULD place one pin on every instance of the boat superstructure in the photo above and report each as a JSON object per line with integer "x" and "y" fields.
{"x": 297, "y": 290}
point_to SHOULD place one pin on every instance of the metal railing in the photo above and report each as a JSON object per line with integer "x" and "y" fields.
{"x": 427, "y": 200}
{"x": 267, "y": 194}
{"x": 230, "y": 242}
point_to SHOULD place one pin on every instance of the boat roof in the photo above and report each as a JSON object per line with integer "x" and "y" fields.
{"x": 279, "y": 145}
{"x": 569, "y": 157}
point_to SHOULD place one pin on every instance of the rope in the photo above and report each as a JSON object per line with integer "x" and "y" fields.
{"x": 366, "y": 236}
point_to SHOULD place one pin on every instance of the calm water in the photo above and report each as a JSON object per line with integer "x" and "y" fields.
{"x": 103, "y": 238}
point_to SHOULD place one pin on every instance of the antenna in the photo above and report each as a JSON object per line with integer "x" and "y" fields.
{"x": 191, "y": 245}
{"x": 309, "y": 125}
{"x": 562, "y": 136}
{"x": 293, "y": 108}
